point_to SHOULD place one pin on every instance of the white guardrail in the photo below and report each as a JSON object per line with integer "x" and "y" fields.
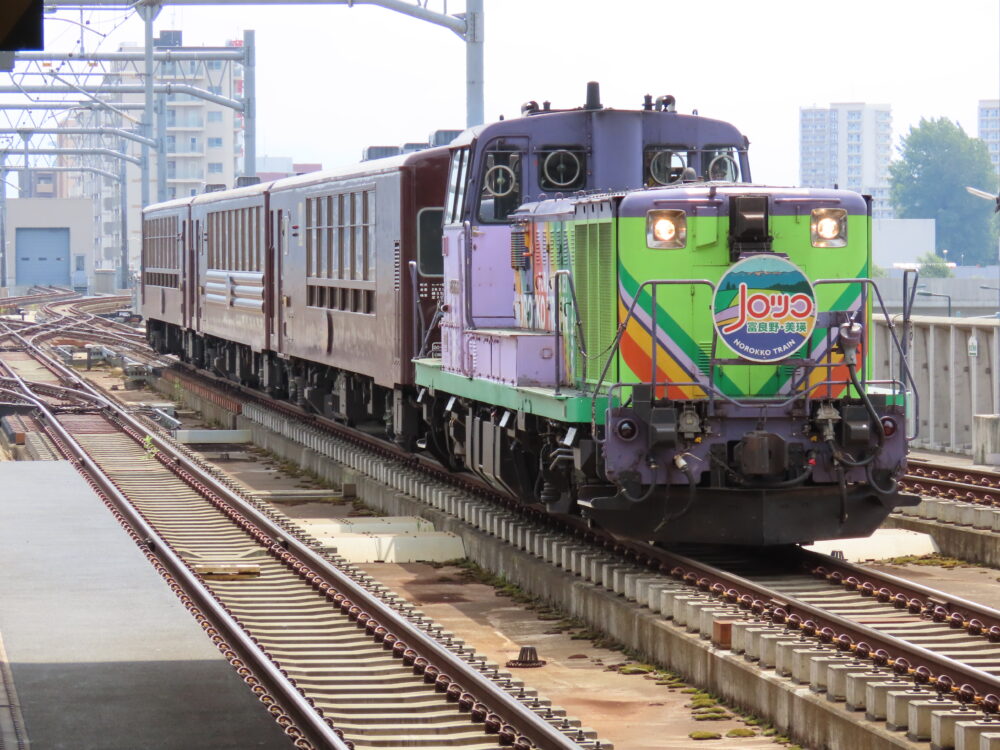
{"x": 954, "y": 362}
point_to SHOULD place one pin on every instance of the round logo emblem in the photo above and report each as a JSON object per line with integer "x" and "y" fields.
{"x": 764, "y": 308}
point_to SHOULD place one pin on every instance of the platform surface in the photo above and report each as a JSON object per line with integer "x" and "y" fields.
{"x": 103, "y": 655}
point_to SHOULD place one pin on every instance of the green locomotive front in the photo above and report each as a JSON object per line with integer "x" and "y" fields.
{"x": 683, "y": 360}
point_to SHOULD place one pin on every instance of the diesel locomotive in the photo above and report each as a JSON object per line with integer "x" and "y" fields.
{"x": 593, "y": 309}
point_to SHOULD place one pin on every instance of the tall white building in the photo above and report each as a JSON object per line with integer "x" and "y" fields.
{"x": 203, "y": 143}
{"x": 848, "y": 146}
{"x": 989, "y": 128}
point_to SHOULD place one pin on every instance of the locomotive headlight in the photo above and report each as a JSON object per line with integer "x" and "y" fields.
{"x": 828, "y": 227}
{"x": 666, "y": 228}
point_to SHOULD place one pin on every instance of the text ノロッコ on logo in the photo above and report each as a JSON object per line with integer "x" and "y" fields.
{"x": 764, "y": 308}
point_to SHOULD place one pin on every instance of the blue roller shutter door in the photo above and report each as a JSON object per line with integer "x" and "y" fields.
{"x": 42, "y": 256}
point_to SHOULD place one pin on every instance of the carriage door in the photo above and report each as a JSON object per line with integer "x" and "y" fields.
{"x": 188, "y": 270}
{"x": 276, "y": 307}
{"x": 196, "y": 288}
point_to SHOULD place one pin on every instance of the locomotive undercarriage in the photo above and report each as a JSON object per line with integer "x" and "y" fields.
{"x": 529, "y": 457}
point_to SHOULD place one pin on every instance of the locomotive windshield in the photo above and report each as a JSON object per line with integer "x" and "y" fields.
{"x": 720, "y": 164}
{"x": 455, "y": 200}
{"x": 500, "y": 190}
{"x": 562, "y": 168}
{"x": 665, "y": 164}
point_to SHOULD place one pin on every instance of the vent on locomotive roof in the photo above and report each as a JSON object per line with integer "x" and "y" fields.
{"x": 214, "y": 187}
{"x": 247, "y": 180}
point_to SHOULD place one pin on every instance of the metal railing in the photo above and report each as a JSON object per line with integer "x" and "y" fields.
{"x": 713, "y": 391}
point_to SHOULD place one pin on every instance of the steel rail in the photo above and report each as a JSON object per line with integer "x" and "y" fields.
{"x": 521, "y": 719}
{"x": 897, "y": 652}
{"x": 958, "y": 483}
{"x": 797, "y": 615}
{"x": 312, "y": 725}
{"x": 34, "y": 299}
{"x": 657, "y": 559}
{"x": 832, "y": 566}
{"x": 540, "y": 732}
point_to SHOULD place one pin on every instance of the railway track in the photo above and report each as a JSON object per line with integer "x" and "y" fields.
{"x": 964, "y": 484}
{"x": 36, "y": 295}
{"x": 323, "y": 648}
{"x": 857, "y": 624}
{"x": 912, "y": 638}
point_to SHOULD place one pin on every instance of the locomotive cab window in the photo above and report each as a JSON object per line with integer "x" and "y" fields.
{"x": 664, "y": 165}
{"x": 430, "y": 261}
{"x": 457, "y": 172}
{"x": 562, "y": 168}
{"x": 720, "y": 164}
{"x": 500, "y": 182}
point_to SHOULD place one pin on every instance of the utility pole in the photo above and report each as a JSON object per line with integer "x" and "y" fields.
{"x": 474, "y": 85}
{"x": 26, "y": 182}
{"x": 123, "y": 279}
{"x": 249, "y": 103}
{"x": 148, "y": 11}
{"x": 3, "y": 219}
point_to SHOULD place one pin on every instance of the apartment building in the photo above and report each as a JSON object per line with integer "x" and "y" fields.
{"x": 848, "y": 146}
{"x": 989, "y": 128}
{"x": 203, "y": 143}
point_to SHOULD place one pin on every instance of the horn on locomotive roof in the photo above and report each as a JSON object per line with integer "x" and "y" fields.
{"x": 666, "y": 103}
{"x": 593, "y": 96}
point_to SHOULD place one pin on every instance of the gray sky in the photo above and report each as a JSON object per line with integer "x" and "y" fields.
{"x": 332, "y": 80}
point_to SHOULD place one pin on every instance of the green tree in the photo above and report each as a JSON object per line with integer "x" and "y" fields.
{"x": 928, "y": 182}
{"x": 933, "y": 266}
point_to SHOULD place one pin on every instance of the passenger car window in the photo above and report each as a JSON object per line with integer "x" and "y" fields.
{"x": 430, "y": 261}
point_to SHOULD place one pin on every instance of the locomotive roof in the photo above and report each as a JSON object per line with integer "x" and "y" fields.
{"x": 558, "y": 126}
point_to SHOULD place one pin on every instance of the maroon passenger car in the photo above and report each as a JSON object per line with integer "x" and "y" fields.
{"x": 303, "y": 286}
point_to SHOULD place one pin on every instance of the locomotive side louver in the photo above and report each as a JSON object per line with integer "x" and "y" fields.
{"x": 518, "y": 248}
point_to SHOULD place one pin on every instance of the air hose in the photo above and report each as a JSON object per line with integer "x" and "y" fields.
{"x": 850, "y": 336}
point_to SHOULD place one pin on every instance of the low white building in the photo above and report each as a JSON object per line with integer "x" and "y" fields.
{"x": 49, "y": 242}
{"x": 901, "y": 240}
